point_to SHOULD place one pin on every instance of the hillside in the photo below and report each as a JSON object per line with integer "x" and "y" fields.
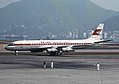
{"x": 36, "y": 18}
{"x": 112, "y": 23}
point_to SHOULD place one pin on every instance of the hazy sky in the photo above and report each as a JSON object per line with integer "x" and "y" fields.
{"x": 107, "y": 4}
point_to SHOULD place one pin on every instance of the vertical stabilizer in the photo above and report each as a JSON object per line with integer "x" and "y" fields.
{"x": 97, "y": 34}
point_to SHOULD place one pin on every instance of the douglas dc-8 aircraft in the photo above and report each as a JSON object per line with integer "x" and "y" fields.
{"x": 56, "y": 47}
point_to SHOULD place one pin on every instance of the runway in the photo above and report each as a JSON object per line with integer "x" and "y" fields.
{"x": 60, "y": 62}
{"x": 68, "y": 69}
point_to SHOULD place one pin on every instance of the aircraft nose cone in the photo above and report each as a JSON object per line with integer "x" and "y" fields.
{"x": 8, "y": 48}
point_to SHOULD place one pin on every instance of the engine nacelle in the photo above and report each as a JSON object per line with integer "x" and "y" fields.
{"x": 66, "y": 49}
{"x": 52, "y": 50}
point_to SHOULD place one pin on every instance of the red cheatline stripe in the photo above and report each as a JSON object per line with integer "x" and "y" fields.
{"x": 51, "y": 44}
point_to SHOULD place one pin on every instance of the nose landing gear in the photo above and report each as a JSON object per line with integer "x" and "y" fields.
{"x": 16, "y": 53}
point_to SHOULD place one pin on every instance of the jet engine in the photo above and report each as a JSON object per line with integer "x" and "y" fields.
{"x": 66, "y": 49}
{"x": 52, "y": 50}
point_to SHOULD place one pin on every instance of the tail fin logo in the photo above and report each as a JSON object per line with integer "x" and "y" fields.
{"x": 97, "y": 32}
{"x": 99, "y": 29}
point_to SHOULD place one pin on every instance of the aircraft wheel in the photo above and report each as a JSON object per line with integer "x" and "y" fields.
{"x": 16, "y": 53}
{"x": 56, "y": 53}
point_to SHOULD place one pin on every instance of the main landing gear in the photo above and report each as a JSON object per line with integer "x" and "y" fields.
{"x": 56, "y": 53}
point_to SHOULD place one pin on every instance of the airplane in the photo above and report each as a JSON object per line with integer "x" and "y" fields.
{"x": 56, "y": 47}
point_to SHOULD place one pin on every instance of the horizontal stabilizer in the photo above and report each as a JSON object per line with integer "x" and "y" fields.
{"x": 103, "y": 41}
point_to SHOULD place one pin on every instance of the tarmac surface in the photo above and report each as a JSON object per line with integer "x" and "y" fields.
{"x": 68, "y": 69}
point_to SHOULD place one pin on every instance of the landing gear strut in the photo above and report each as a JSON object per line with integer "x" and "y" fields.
{"x": 56, "y": 53}
{"x": 16, "y": 53}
